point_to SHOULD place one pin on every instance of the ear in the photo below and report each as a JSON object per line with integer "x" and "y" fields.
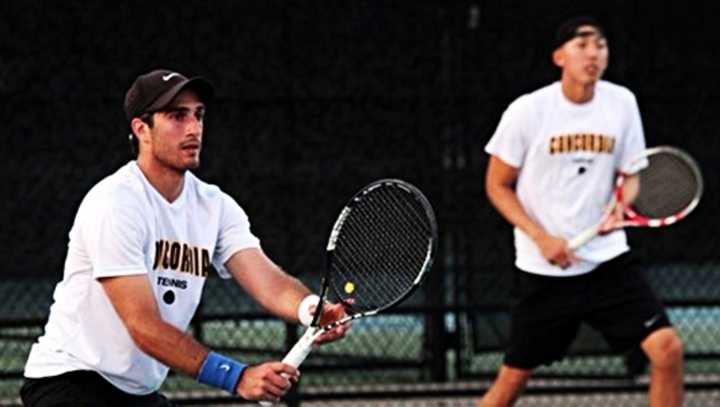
{"x": 140, "y": 129}
{"x": 558, "y": 57}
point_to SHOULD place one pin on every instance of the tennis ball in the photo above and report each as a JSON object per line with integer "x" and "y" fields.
{"x": 349, "y": 287}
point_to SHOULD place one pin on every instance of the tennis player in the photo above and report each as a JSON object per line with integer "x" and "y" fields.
{"x": 552, "y": 164}
{"x": 141, "y": 247}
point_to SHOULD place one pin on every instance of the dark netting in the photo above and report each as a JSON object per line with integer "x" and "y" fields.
{"x": 315, "y": 100}
{"x": 382, "y": 245}
{"x": 668, "y": 185}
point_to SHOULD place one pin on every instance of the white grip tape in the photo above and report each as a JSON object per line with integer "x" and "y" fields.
{"x": 303, "y": 312}
{"x": 583, "y": 237}
{"x": 299, "y": 352}
{"x": 302, "y": 348}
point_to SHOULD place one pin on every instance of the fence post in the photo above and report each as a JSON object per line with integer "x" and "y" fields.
{"x": 435, "y": 347}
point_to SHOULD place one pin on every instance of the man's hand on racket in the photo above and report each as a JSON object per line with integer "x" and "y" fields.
{"x": 615, "y": 214}
{"x": 330, "y": 313}
{"x": 555, "y": 250}
{"x": 387, "y": 213}
{"x": 613, "y": 219}
{"x": 267, "y": 381}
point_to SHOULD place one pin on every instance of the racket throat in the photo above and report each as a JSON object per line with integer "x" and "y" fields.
{"x": 321, "y": 303}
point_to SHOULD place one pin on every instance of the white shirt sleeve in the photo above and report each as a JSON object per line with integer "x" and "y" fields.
{"x": 633, "y": 141}
{"x": 233, "y": 235}
{"x": 115, "y": 235}
{"x": 509, "y": 141}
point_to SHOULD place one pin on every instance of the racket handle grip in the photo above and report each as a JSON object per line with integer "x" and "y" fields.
{"x": 583, "y": 237}
{"x": 302, "y": 348}
{"x": 299, "y": 352}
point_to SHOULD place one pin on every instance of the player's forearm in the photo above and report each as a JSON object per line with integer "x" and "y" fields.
{"x": 133, "y": 300}
{"x": 631, "y": 189}
{"x": 169, "y": 345}
{"x": 275, "y": 290}
{"x": 505, "y": 200}
{"x": 283, "y": 296}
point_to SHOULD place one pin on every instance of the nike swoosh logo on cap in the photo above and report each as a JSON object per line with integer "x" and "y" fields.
{"x": 168, "y": 76}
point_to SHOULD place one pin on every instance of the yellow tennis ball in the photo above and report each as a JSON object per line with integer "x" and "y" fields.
{"x": 349, "y": 287}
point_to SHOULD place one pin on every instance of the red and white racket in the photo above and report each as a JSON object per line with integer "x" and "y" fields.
{"x": 659, "y": 187}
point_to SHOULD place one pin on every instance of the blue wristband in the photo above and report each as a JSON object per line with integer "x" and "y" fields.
{"x": 221, "y": 372}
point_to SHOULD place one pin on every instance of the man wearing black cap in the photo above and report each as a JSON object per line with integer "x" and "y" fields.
{"x": 140, "y": 250}
{"x": 552, "y": 163}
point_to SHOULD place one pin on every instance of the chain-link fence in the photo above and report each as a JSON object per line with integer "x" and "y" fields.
{"x": 315, "y": 100}
{"x": 389, "y": 356}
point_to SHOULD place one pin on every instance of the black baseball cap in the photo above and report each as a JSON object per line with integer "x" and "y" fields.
{"x": 154, "y": 90}
{"x": 571, "y": 29}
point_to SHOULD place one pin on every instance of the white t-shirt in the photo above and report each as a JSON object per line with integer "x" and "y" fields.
{"x": 567, "y": 155}
{"x": 125, "y": 227}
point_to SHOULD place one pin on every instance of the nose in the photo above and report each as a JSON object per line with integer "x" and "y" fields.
{"x": 592, "y": 51}
{"x": 195, "y": 125}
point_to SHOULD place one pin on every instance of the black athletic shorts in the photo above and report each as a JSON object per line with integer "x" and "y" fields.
{"x": 83, "y": 389}
{"x": 615, "y": 299}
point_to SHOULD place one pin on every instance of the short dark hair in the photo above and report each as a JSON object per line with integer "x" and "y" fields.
{"x": 569, "y": 29}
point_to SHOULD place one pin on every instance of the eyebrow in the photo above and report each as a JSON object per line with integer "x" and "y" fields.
{"x": 589, "y": 33}
{"x": 183, "y": 109}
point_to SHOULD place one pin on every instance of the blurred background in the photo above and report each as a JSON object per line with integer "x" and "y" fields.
{"x": 317, "y": 99}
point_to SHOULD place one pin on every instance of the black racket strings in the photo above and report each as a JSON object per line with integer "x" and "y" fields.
{"x": 381, "y": 249}
{"x": 668, "y": 185}
{"x": 379, "y": 277}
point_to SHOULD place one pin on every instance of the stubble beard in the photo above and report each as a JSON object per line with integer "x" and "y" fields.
{"x": 178, "y": 166}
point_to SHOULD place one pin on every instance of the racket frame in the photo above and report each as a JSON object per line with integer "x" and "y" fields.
{"x": 633, "y": 218}
{"x": 299, "y": 352}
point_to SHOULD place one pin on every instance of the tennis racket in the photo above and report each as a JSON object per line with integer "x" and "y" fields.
{"x": 380, "y": 248}
{"x": 658, "y": 188}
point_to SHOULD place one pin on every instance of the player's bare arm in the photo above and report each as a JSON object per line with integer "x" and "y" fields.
{"x": 277, "y": 291}
{"x": 500, "y": 179}
{"x": 135, "y": 304}
{"x": 267, "y": 283}
{"x": 132, "y": 299}
{"x": 631, "y": 191}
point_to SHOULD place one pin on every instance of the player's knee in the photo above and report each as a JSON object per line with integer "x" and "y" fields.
{"x": 667, "y": 351}
{"x": 512, "y": 378}
{"x": 484, "y": 402}
{"x": 516, "y": 382}
{"x": 496, "y": 400}
{"x": 507, "y": 387}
